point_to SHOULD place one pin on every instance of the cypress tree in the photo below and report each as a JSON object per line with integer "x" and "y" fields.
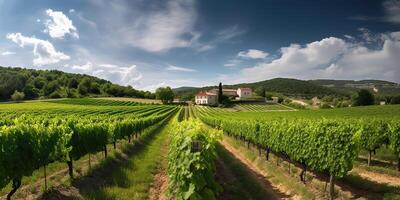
{"x": 220, "y": 93}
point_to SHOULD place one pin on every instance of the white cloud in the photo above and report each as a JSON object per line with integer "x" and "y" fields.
{"x": 182, "y": 69}
{"x": 6, "y": 53}
{"x": 163, "y": 29}
{"x": 349, "y": 37}
{"x": 392, "y": 10}
{"x": 43, "y": 51}
{"x": 59, "y": 25}
{"x": 232, "y": 63}
{"x": 114, "y": 73}
{"x": 253, "y": 54}
{"x": 71, "y": 10}
{"x": 330, "y": 58}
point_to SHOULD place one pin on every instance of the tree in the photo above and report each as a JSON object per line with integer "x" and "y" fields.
{"x": 363, "y": 98}
{"x": 84, "y": 86}
{"x": 395, "y": 100}
{"x": 30, "y": 91}
{"x": 17, "y": 96}
{"x": 260, "y": 91}
{"x": 220, "y": 98}
{"x": 165, "y": 94}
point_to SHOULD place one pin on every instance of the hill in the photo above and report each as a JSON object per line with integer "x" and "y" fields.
{"x": 58, "y": 84}
{"x": 350, "y": 86}
{"x": 289, "y": 87}
{"x": 307, "y": 88}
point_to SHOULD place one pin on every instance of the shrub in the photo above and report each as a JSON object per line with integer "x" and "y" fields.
{"x": 17, "y": 96}
{"x": 325, "y": 106}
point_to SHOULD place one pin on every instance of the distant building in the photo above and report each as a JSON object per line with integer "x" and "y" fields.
{"x": 244, "y": 93}
{"x": 211, "y": 97}
{"x": 206, "y": 98}
{"x": 226, "y": 92}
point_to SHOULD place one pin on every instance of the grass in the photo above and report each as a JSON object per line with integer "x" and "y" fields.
{"x": 380, "y": 112}
{"x": 132, "y": 179}
{"x": 138, "y": 100}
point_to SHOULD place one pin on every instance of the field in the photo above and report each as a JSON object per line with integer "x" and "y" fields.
{"x": 119, "y": 149}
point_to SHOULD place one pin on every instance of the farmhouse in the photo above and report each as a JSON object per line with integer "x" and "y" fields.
{"x": 211, "y": 97}
{"x": 226, "y": 92}
{"x": 206, "y": 98}
{"x": 244, "y": 93}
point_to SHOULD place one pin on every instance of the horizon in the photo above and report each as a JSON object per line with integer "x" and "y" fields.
{"x": 191, "y": 43}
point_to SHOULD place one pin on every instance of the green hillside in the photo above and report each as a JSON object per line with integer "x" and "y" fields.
{"x": 56, "y": 84}
{"x": 290, "y": 87}
{"x": 350, "y": 86}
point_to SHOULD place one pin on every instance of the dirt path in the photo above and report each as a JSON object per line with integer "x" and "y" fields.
{"x": 378, "y": 177}
{"x": 160, "y": 184}
{"x": 279, "y": 190}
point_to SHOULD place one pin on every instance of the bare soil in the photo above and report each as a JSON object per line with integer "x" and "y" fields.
{"x": 378, "y": 177}
{"x": 280, "y": 190}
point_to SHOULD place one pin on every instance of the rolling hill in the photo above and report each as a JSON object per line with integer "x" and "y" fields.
{"x": 58, "y": 84}
{"x": 307, "y": 88}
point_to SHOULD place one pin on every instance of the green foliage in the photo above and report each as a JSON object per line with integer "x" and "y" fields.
{"x": 191, "y": 165}
{"x": 17, "y": 96}
{"x": 395, "y": 100}
{"x": 56, "y": 84}
{"x": 30, "y": 139}
{"x": 394, "y": 137}
{"x": 220, "y": 93}
{"x": 165, "y": 94}
{"x": 373, "y": 134}
{"x": 260, "y": 91}
{"x": 325, "y": 106}
{"x": 328, "y": 146}
{"x": 363, "y": 98}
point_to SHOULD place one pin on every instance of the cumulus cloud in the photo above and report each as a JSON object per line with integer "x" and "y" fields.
{"x": 59, "y": 25}
{"x": 164, "y": 29}
{"x": 114, "y": 73}
{"x": 6, "y": 53}
{"x": 331, "y": 58}
{"x": 392, "y": 10}
{"x": 43, "y": 51}
{"x": 182, "y": 69}
{"x": 253, "y": 54}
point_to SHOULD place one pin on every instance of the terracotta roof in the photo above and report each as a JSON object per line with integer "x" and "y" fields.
{"x": 202, "y": 93}
{"x": 245, "y": 88}
{"x": 229, "y": 90}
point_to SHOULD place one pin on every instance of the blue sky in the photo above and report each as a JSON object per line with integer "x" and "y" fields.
{"x": 152, "y": 43}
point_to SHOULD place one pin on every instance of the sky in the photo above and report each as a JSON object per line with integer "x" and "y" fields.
{"x": 153, "y": 43}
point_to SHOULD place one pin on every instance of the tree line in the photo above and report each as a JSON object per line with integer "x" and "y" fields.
{"x": 21, "y": 83}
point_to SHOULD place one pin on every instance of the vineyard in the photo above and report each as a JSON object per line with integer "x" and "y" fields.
{"x": 115, "y": 149}
{"x": 34, "y": 138}
{"x": 328, "y": 146}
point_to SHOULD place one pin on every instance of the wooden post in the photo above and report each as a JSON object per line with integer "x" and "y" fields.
{"x": 332, "y": 187}
{"x": 90, "y": 164}
{"x": 15, "y": 185}
{"x": 70, "y": 168}
{"x": 369, "y": 157}
{"x": 267, "y": 153}
{"x": 45, "y": 177}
